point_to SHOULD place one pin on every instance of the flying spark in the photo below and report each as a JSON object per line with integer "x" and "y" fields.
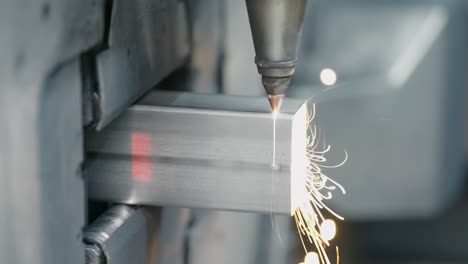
{"x": 313, "y": 217}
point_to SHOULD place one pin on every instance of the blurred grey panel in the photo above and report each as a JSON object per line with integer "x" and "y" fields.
{"x": 397, "y": 105}
{"x": 147, "y": 41}
{"x": 279, "y": 240}
{"x": 403, "y": 238}
{"x": 362, "y": 38}
{"x": 61, "y": 184}
{"x": 225, "y": 237}
{"x": 237, "y": 237}
{"x": 41, "y": 194}
{"x": 36, "y": 36}
{"x": 207, "y": 20}
{"x": 173, "y": 235}
{"x": 240, "y": 72}
{"x": 123, "y": 234}
{"x": 189, "y": 157}
{"x": 44, "y": 191}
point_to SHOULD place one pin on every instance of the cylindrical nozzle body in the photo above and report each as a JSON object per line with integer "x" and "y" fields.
{"x": 276, "y": 30}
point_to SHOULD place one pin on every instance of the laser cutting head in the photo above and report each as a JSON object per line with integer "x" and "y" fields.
{"x": 276, "y": 30}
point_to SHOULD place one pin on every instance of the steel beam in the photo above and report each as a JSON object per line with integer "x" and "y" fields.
{"x": 189, "y": 150}
{"x": 42, "y": 198}
{"x": 136, "y": 60}
{"x": 123, "y": 234}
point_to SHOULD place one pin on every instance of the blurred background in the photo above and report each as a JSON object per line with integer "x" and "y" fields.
{"x": 388, "y": 78}
{"x": 396, "y": 104}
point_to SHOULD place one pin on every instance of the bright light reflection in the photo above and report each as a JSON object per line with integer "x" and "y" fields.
{"x": 328, "y": 77}
{"x": 298, "y": 158}
{"x": 328, "y": 229}
{"x": 312, "y": 258}
{"x": 275, "y": 114}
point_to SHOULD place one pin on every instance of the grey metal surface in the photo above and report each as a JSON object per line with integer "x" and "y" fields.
{"x": 122, "y": 235}
{"x": 224, "y": 237}
{"x": 207, "y": 40}
{"x": 38, "y": 36}
{"x": 281, "y": 240}
{"x": 240, "y": 75}
{"x": 189, "y": 157}
{"x": 173, "y": 235}
{"x": 45, "y": 202}
{"x": 147, "y": 40}
{"x": 209, "y": 236}
{"x": 61, "y": 184}
{"x": 367, "y": 27}
{"x": 41, "y": 194}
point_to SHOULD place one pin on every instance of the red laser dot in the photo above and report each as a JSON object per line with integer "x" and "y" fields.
{"x": 141, "y": 152}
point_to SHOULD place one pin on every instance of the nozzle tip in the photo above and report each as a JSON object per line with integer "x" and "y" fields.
{"x": 275, "y": 102}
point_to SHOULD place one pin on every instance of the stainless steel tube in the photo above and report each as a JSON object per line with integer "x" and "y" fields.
{"x": 188, "y": 150}
{"x": 123, "y": 234}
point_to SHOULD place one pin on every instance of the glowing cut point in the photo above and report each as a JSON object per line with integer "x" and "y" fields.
{"x": 328, "y": 229}
{"x": 312, "y": 258}
{"x": 328, "y": 77}
{"x": 275, "y": 114}
{"x": 275, "y": 166}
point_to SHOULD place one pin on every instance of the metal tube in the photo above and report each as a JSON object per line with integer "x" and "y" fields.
{"x": 187, "y": 150}
{"x": 123, "y": 234}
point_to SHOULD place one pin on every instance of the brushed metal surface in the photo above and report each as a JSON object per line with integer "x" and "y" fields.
{"x": 123, "y": 234}
{"x": 193, "y": 157}
{"x": 41, "y": 191}
{"x": 147, "y": 41}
